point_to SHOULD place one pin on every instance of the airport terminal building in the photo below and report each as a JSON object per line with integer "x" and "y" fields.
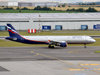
{"x": 51, "y": 21}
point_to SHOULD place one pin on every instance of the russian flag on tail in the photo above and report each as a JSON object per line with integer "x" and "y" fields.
{"x": 31, "y": 30}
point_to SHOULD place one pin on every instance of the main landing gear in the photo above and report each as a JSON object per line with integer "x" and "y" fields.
{"x": 50, "y": 46}
{"x": 84, "y": 45}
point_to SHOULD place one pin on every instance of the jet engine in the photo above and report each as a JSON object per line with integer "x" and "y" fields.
{"x": 64, "y": 44}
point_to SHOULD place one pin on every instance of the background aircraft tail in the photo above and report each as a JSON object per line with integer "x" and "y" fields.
{"x": 12, "y": 31}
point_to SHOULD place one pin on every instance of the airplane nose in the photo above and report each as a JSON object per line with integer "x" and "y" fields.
{"x": 93, "y": 41}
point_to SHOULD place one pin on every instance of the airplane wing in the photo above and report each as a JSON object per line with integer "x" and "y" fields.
{"x": 55, "y": 42}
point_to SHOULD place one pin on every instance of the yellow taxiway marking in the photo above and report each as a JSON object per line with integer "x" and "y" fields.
{"x": 71, "y": 69}
{"x": 88, "y": 64}
{"x": 53, "y": 58}
{"x": 56, "y": 58}
{"x": 78, "y": 69}
{"x": 73, "y": 51}
{"x": 78, "y": 52}
{"x": 85, "y": 67}
{"x": 75, "y": 69}
{"x": 94, "y": 70}
{"x": 31, "y": 51}
{"x": 37, "y": 54}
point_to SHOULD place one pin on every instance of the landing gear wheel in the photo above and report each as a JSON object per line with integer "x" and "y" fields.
{"x": 52, "y": 46}
{"x": 84, "y": 45}
{"x": 49, "y": 46}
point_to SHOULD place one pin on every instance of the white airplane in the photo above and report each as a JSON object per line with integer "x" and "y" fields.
{"x": 52, "y": 41}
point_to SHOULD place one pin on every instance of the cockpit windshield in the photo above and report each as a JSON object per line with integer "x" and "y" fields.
{"x": 89, "y": 37}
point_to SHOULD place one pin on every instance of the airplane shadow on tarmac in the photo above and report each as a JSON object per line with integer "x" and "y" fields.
{"x": 53, "y": 48}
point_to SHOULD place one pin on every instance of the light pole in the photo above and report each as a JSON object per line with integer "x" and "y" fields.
{"x": 29, "y": 20}
{"x": 39, "y": 23}
{"x": 19, "y": 24}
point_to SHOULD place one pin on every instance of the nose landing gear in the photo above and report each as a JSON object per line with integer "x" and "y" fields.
{"x": 84, "y": 45}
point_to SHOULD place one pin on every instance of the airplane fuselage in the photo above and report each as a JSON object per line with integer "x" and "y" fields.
{"x": 47, "y": 39}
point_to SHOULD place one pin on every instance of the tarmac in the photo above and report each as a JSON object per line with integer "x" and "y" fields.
{"x": 44, "y": 61}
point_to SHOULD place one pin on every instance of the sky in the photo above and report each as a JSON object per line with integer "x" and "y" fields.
{"x": 66, "y": 1}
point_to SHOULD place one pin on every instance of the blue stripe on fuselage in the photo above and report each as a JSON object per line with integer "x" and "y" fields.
{"x": 32, "y": 42}
{"x": 24, "y": 40}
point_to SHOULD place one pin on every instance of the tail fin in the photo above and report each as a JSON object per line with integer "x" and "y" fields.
{"x": 12, "y": 31}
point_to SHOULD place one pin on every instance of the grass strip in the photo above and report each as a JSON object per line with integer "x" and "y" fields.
{"x": 5, "y": 33}
{"x": 96, "y": 51}
{"x": 34, "y": 11}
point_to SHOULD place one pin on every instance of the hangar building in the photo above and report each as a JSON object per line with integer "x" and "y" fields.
{"x": 29, "y": 4}
{"x": 66, "y": 21}
{"x": 35, "y": 4}
{"x": 10, "y": 3}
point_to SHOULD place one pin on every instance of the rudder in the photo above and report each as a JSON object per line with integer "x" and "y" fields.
{"x": 12, "y": 31}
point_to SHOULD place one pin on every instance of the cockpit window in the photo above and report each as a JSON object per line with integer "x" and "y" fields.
{"x": 90, "y": 37}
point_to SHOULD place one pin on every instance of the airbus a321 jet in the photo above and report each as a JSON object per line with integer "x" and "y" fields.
{"x": 52, "y": 41}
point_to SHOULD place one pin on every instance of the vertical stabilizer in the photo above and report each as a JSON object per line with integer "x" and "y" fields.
{"x": 12, "y": 31}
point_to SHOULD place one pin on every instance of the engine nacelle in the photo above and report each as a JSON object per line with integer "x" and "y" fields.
{"x": 64, "y": 44}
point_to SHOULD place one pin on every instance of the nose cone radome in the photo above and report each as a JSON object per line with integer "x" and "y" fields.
{"x": 93, "y": 41}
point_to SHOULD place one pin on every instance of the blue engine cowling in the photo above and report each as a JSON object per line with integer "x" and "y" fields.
{"x": 63, "y": 44}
